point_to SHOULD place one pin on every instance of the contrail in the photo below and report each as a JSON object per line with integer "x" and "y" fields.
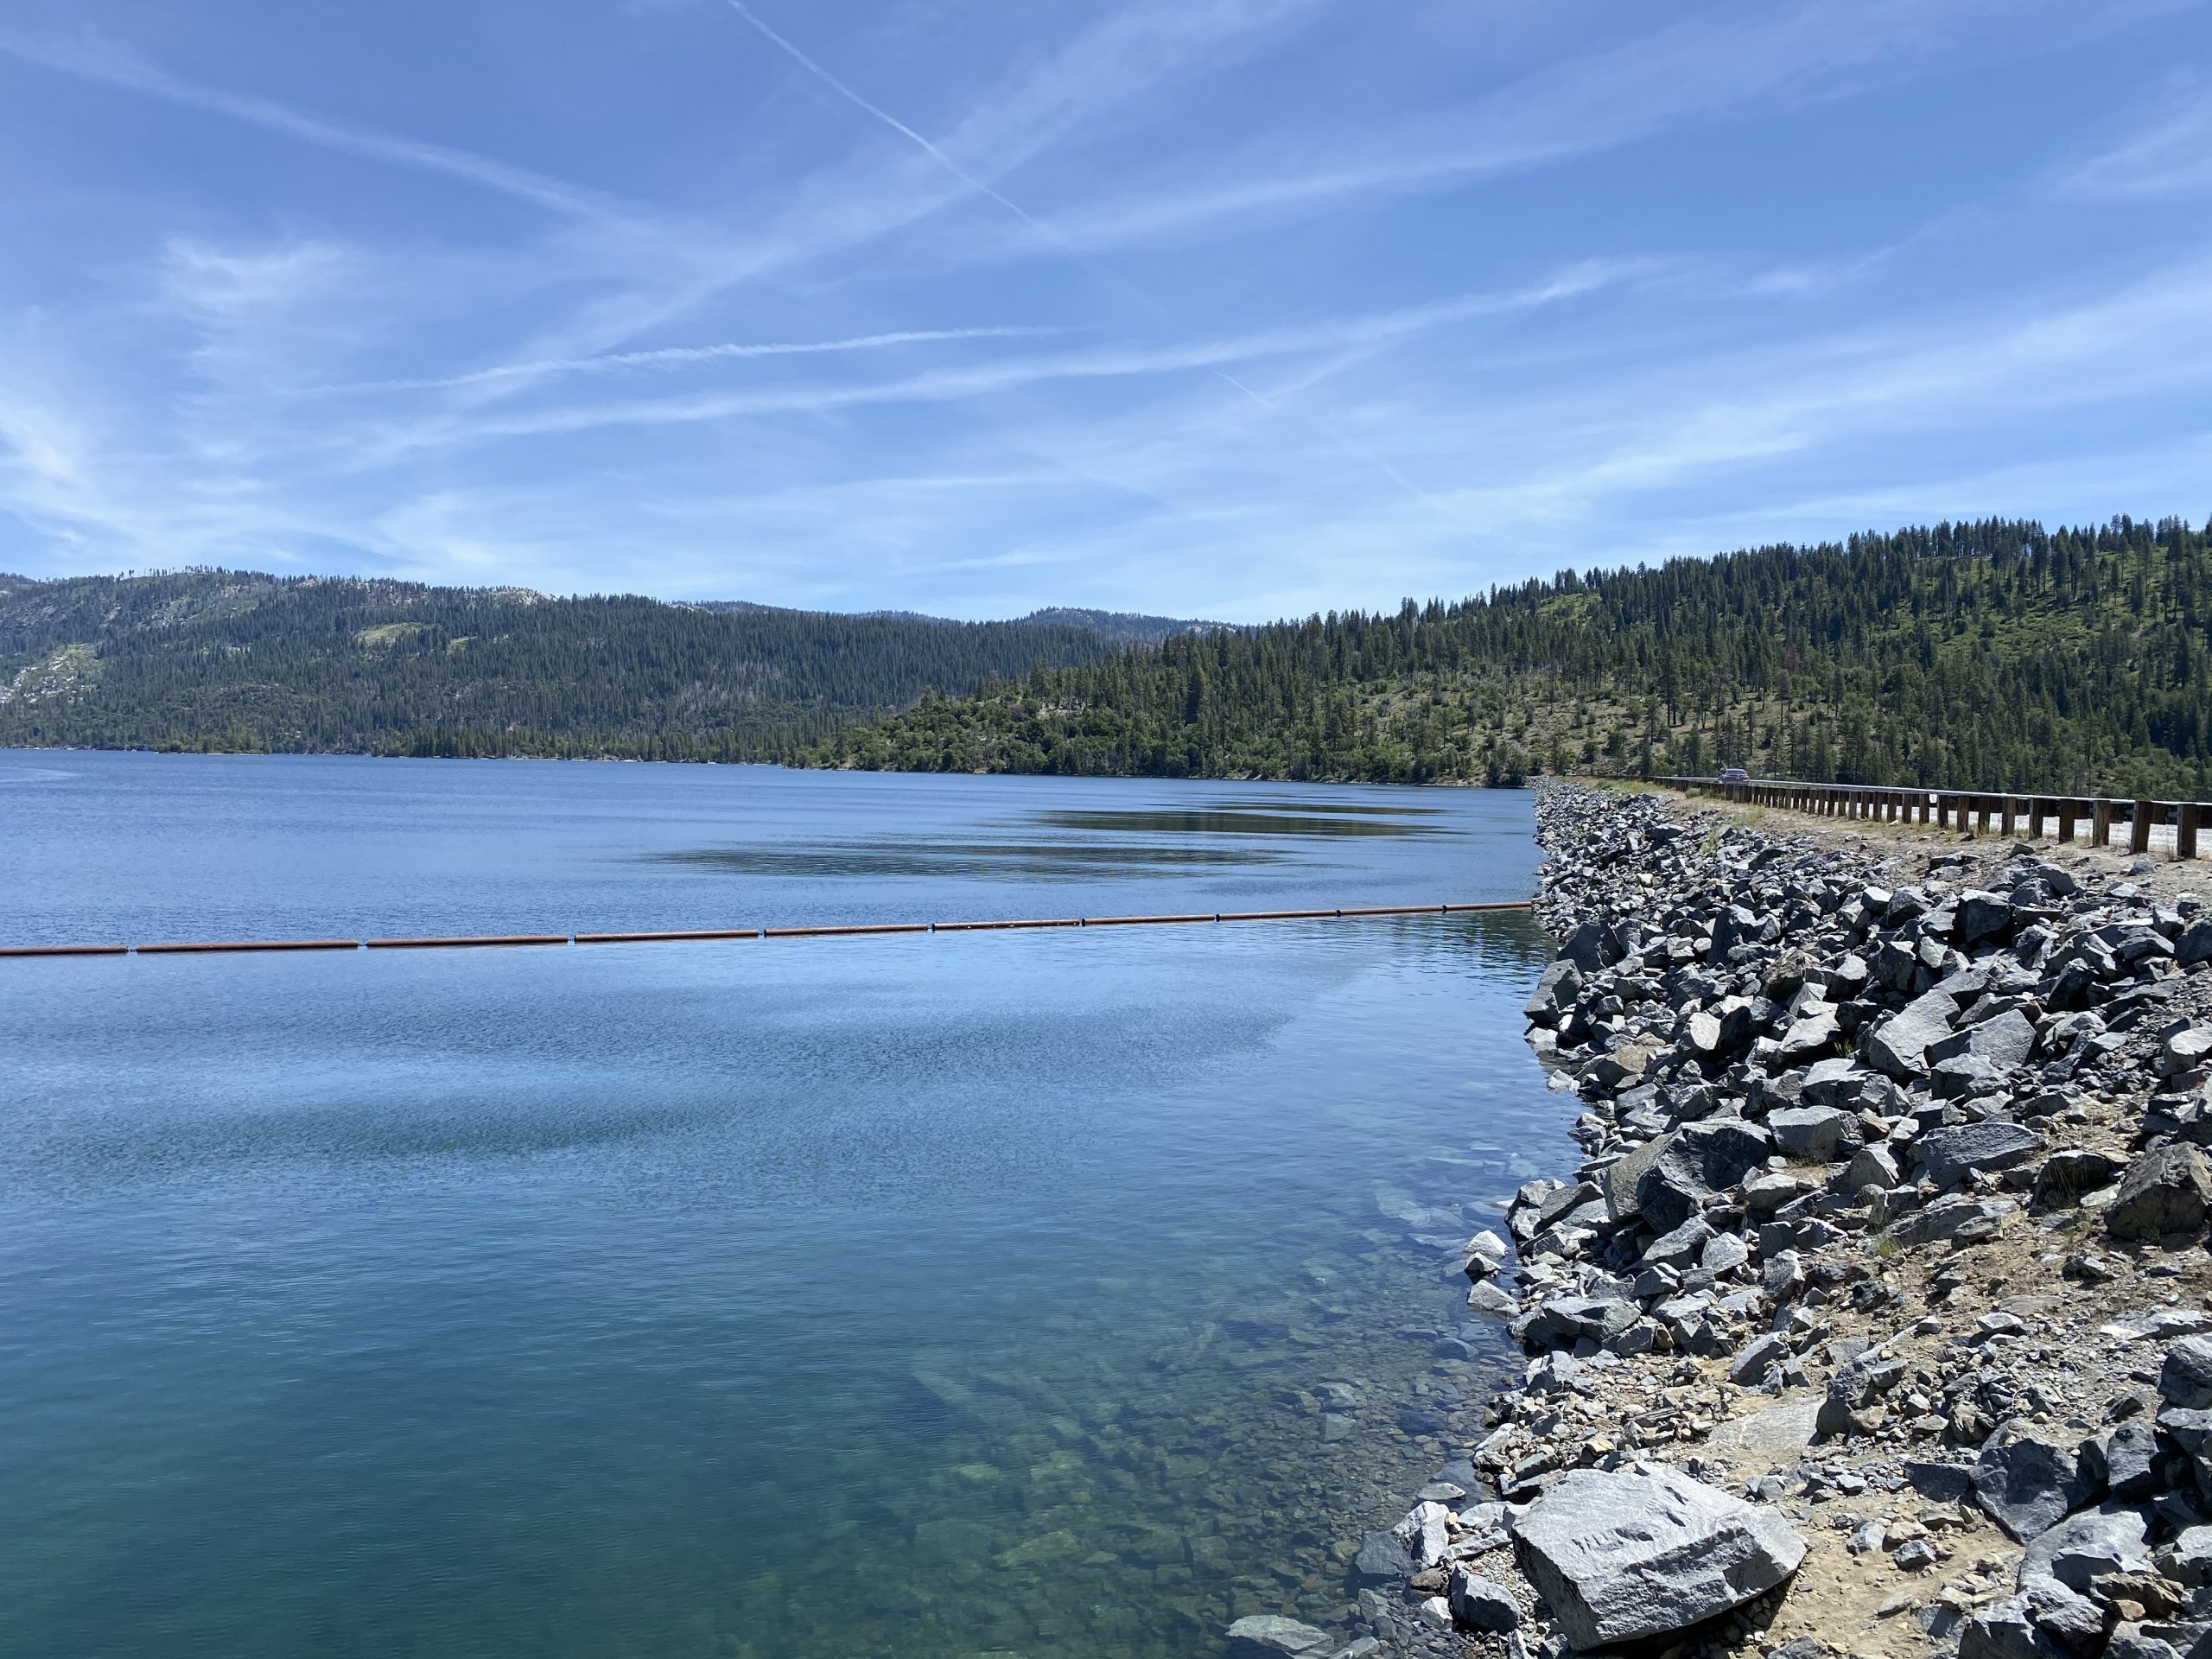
{"x": 797, "y": 56}
{"x": 1066, "y": 248}
{"x": 672, "y": 355}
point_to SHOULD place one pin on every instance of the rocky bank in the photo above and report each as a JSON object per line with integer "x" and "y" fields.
{"x": 1875, "y": 1321}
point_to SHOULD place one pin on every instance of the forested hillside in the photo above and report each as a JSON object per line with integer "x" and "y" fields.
{"x": 223, "y": 659}
{"x": 1995, "y": 654}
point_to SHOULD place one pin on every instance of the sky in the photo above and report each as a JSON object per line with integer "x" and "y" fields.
{"x": 1221, "y": 308}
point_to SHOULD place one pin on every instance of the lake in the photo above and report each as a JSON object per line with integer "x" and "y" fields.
{"x": 1051, "y": 1294}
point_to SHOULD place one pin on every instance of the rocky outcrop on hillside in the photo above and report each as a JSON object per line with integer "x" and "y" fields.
{"x": 1875, "y": 1319}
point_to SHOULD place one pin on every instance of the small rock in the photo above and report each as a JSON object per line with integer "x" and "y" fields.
{"x": 1478, "y": 1605}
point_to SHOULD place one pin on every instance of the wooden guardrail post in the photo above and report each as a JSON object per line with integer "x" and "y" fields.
{"x": 1968, "y": 812}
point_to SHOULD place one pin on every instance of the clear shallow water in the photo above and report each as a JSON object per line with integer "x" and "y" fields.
{"x": 936, "y": 1295}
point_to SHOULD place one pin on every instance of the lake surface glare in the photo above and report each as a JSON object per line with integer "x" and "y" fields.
{"x": 1063, "y": 1294}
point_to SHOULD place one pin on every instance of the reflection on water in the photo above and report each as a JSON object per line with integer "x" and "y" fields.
{"x": 991, "y": 860}
{"x": 1236, "y": 821}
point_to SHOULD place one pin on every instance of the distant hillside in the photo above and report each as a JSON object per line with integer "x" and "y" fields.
{"x": 1123, "y": 627}
{"x": 1127, "y": 627}
{"x": 1992, "y": 655}
{"x": 237, "y": 660}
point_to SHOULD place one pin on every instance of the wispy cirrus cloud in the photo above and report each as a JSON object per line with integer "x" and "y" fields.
{"x": 2170, "y": 156}
{"x": 1219, "y": 306}
{"x": 89, "y": 56}
{"x": 1004, "y": 374}
{"x": 1688, "y": 74}
{"x": 680, "y": 357}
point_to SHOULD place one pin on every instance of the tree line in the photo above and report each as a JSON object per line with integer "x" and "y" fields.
{"x": 1993, "y": 654}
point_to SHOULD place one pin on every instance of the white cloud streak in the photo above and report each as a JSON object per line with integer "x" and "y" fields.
{"x": 674, "y": 357}
{"x": 2169, "y": 157}
{"x": 1689, "y": 72}
{"x": 89, "y": 58}
{"x": 984, "y": 379}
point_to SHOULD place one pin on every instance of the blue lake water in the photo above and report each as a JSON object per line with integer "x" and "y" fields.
{"x": 1032, "y": 1294}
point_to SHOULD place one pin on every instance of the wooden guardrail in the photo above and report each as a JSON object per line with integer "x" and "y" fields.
{"x": 2010, "y": 814}
{"x": 848, "y": 930}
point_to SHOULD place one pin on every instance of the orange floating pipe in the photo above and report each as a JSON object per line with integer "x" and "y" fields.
{"x": 202, "y": 947}
{"x": 664, "y": 937}
{"x": 467, "y": 939}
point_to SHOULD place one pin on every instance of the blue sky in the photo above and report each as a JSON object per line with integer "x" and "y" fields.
{"x": 1222, "y": 308}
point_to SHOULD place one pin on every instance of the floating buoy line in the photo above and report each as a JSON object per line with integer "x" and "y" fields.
{"x": 848, "y": 930}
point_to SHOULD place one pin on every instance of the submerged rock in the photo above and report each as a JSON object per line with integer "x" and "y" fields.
{"x": 1264, "y": 1636}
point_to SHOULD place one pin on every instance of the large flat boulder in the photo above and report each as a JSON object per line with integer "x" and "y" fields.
{"x": 1951, "y": 1155}
{"x": 1814, "y": 1134}
{"x": 1626, "y": 1555}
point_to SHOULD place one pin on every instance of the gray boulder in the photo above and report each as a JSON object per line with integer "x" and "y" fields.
{"x": 1383, "y": 1556}
{"x": 1758, "y": 1356}
{"x": 1272, "y": 1634}
{"x": 1479, "y": 1605}
{"x": 1952, "y": 1217}
{"x": 1814, "y": 1034}
{"x": 2184, "y": 1051}
{"x": 1899, "y": 1048}
{"x": 2072, "y": 1171}
{"x": 1555, "y": 991}
{"x": 1673, "y": 1188}
{"x": 2185, "y": 1379}
{"x": 2112, "y": 1538}
{"x": 1627, "y": 1555}
{"x": 2027, "y": 1485}
{"x": 1699, "y": 1159}
{"x": 2005, "y": 1040}
{"x": 2045, "y": 1621}
{"x": 1951, "y": 1155}
{"x": 1680, "y": 1246}
{"x": 2167, "y": 1190}
{"x": 2195, "y": 945}
{"x": 2132, "y": 1457}
{"x": 1617, "y": 1180}
{"x": 1723, "y": 1254}
{"x": 1980, "y": 916}
{"x": 1869, "y": 1166}
{"x": 1590, "y": 948}
{"x": 1814, "y": 1134}
{"x": 1423, "y": 1532}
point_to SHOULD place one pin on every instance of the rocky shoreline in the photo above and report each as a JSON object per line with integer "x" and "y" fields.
{"x": 1875, "y": 1321}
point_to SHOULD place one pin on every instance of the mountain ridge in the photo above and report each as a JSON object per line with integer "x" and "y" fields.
{"x": 216, "y": 659}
